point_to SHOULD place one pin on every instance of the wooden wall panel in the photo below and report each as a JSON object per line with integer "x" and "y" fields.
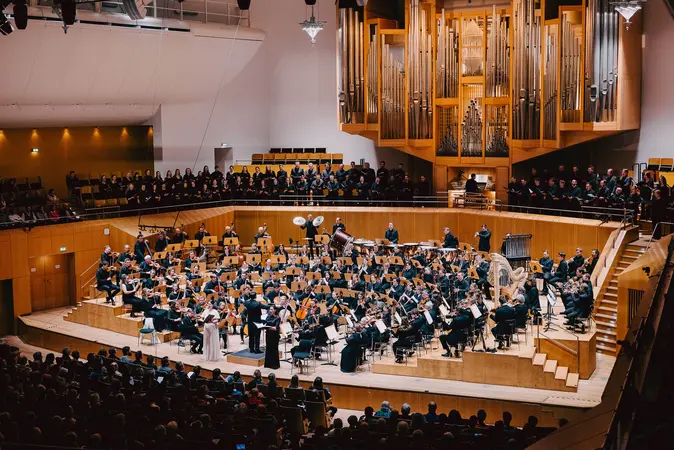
{"x": 21, "y": 289}
{"x": 5, "y": 257}
{"x": 19, "y": 249}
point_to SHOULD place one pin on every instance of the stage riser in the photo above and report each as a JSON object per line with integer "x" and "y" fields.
{"x": 111, "y": 318}
{"x": 588, "y": 355}
{"x": 485, "y": 368}
{"x": 258, "y": 362}
{"x": 345, "y": 396}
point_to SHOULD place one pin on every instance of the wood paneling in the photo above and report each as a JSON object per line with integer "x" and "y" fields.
{"x": 86, "y": 150}
{"x": 51, "y": 280}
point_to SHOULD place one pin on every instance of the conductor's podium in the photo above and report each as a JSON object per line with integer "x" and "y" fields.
{"x": 98, "y": 314}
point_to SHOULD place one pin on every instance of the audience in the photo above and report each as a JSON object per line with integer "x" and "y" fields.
{"x": 355, "y": 183}
{"x": 110, "y": 403}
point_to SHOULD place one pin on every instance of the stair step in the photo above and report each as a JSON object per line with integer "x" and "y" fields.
{"x": 605, "y": 324}
{"x": 606, "y": 349}
{"x": 572, "y": 380}
{"x": 605, "y": 316}
{"x": 528, "y": 353}
{"x": 539, "y": 359}
{"x": 550, "y": 366}
{"x": 613, "y": 281}
{"x": 607, "y": 309}
{"x": 611, "y": 295}
{"x": 608, "y": 333}
{"x": 606, "y": 340}
{"x": 613, "y": 288}
{"x": 561, "y": 373}
{"x": 609, "y": 302}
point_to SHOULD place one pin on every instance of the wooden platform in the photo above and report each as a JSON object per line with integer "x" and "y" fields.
{"x": 50, "y": 330}
{"x": 246, "y": 358}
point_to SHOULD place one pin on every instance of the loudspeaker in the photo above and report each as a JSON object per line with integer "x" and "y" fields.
{"x": 20, "y": 14}
{"x": 244, "y": 5}
{"x": 68, "y": 11}
{"x": 310, "y": 2}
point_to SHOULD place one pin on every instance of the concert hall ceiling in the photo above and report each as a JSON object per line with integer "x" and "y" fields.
{"x": 108, "y": 75}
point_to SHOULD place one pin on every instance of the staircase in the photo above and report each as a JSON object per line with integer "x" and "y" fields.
{"x": 606, "y": 305}
{"x": 645, "y": 229}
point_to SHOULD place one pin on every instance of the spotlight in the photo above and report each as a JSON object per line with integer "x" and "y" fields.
{"x": 244, "y": 5}
{"x": 20, "y": 14}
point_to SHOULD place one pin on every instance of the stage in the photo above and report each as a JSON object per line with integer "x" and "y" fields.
{"x": 385, "y": 381}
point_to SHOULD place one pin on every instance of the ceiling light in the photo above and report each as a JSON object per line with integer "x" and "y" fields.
{"x": 627, "y": 8}
{"x": 312, "y": 26}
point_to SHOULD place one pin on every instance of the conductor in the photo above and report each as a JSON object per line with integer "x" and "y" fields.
{"x": 311, "y": 233}
{"x": 254, "y": 311}
{"x": 391, "y": 234}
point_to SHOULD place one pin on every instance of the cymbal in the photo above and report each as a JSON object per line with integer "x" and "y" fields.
{"x": 318, "y": 221}
{"x": 299, "y": 221}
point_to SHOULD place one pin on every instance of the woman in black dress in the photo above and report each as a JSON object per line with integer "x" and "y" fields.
{"x": 271, "y": 360}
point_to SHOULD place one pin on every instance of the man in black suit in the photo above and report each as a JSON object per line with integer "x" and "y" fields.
{"x": 450, "y": 241}
{"x": 484, "y": 245}
{"x": 546, "y": 265}
{"x": 188, "y": 330}
{"x": 339, "y": 225}
{"x": 311, "y": 233}
{"x": 391, "y": 234}
{"x": 254, "y": 311}
{"x": 562, "y": 272}
{"x": 502, "y": 317}
{"x": 471, "y": 185}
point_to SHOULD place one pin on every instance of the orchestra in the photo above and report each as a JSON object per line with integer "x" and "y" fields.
{"x": 377, "y": 293}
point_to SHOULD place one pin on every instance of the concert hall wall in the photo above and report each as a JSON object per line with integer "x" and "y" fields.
{"x": 284, "y": 97}
{"x": 86, "y": 150}
{"x": 657, "y": 88}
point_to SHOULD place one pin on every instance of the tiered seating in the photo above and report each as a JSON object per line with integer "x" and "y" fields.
{"x": 306, "y": 155}
{"x": 23, "y": 191}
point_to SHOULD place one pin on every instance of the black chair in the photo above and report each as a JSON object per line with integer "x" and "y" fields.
{"x": 295, "y": 395}
{"x": 298, "y": 150}
{"x": 303, "y": 354}
{"x": 275, "y": 150}
{"x": 286, "y": 150}
{"x": 309, "y": 150}
{"x": 315, "y": 396}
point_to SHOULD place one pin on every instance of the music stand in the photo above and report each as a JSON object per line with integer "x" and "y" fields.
{"x": 292, "y": 270}
{"x": 326, "y": 260}
{"x": 297, "y": 285}
{"x": 314, "y": 275}
{"x": 158, "y": 256}
{"x": 231, "y": 241}
{"x": 231, "y": 260}
{"x": 396, "y": 260}
{"x": 253, "y": 259}
{"x": 389, "y": 277}
{"x": 264, "y": 244}
{"x": 191, "y": 243}
{"x": 302, "y": 260}
{"x": 336, "y": 275}
{"x": 322, "y": 289}
{"x": 346, "y": 260}
{"x": 278, "y": 259}
{"x": 172, "y": 248}
{"x": 551, "y": 300}
{"x": 535, "y": 267}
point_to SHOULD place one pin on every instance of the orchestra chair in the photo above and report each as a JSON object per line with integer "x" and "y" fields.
{"x": 148, "y": 332}
{"x": 514, "y": 336}
{"x": 181, "y": 342}
{"x": 294, "y": 396}
{"x": 303, "y": 355}
{"x": 317, "y": 414}
{"x": 295, "y": 424}
{"x": 366, "y": 355}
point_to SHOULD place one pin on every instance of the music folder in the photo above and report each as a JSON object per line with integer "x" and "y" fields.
{"x": 380, "y": 325}
{"x": 332, "y": 333}
{"x": 397, "y": 317}
{"x": 260, "y": 326}
{"x": 428, "y": 317}
{"x": 476, "y": 311}
{"x": 349, "y": 322}
{"x": 443, "y": 310}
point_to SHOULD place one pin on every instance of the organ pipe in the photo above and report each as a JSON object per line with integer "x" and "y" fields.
{"x": 498, "y": 57}
{"x": 420, "y": 65}
{"x": 351, "y": 76}
{"x": 447, "y": 59}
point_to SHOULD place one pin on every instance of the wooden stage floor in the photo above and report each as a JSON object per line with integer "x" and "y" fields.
{"x": 39, "y": 326}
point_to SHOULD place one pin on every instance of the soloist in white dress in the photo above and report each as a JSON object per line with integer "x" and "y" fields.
{"x": 211, "y": 342}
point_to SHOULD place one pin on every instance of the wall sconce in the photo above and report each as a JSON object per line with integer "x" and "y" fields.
{"x": 35, "y": 150}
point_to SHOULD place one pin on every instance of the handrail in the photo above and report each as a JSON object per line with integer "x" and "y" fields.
{"x": 656, "y": 227}
{"x": 89, "y": 268}
{"x": 575, "y": 353}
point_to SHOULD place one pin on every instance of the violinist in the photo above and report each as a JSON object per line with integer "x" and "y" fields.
{"x": 406, "y": 335}
{"x": 146, "y": 267}
{"x": 212, "y": 286}
{"x": 130, "y": 289}
{"x": 456, "y": 331}
{"x": 271, "y": 287}
{"x": 188, "y": 330}
{"x": 353, "y": 351}
{"x": 108, "y": 255}
{"x": 127, "y": 254}
{"x": 104, "y": 283}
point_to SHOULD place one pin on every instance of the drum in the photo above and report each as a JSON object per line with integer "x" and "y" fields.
{"x": 342, "y": 242}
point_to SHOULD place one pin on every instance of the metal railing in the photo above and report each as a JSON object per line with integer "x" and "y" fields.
{"x": 291, "y": 200}
{"x": 650, "y": 241}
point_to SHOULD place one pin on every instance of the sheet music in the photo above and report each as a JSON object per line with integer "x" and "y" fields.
{"x": 355, "y": 319}
{"x": 260, "y": 326}
{"x": 380, "y": 325}
{"x": 332, "y": 333}
{"x": 552, "y": 298}
{"x": 428, "y": 317}
{"x": 489, "y": 304}
{"x": 543, "y": 300}
{"x": 443, "y": 310}
{"x": 348, "y": 321}
{"x": 476, "y": 311}
{"x": 397, "y": 318}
